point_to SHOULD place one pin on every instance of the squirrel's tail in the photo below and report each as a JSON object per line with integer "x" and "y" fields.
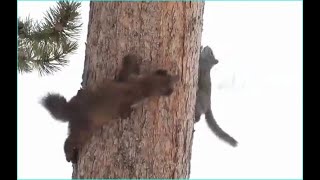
{"x": 213, "y": 125}
{"x": 56, "y": 105}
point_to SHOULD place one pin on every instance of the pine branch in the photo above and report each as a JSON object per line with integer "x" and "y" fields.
{"x": 46, "y": 57}
{"x": 43, "y": 46}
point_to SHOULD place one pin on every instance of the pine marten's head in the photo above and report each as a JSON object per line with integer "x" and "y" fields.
{"x": 158, "y": 83}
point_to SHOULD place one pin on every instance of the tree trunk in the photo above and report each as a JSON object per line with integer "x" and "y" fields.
{"x": 156, "y": 141}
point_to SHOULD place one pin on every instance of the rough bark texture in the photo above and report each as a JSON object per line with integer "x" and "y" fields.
{"x": 156, "y": 141}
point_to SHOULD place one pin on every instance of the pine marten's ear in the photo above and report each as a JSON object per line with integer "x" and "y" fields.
{"x": 161, "y": 72}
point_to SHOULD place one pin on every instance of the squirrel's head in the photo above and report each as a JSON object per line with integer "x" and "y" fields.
{"x": 207, "y": 59}
{"x": 158, "y": 83}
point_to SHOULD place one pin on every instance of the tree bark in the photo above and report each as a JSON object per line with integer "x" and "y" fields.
{"x": 156, "y": 141}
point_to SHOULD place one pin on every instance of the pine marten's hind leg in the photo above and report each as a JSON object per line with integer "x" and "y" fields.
{"x": 71, "y": 150}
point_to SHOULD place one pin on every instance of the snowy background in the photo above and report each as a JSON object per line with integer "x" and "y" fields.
{"x": 257, "y": 96}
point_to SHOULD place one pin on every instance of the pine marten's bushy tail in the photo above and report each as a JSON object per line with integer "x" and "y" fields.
{"x": 218, "y": 131}
{"x": 56, "y": 105}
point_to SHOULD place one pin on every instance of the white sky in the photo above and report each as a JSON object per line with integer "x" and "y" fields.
{"x": 257, "y": 96}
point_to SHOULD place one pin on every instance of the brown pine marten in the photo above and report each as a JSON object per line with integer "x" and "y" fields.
{"x": 90, "y": 109}
{"x": 203, "y": 101}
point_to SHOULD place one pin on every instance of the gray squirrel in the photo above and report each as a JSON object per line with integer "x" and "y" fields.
{"x": 203, "y": 97}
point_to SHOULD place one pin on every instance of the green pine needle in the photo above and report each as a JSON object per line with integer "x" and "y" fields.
{"x": 43, "y": 46}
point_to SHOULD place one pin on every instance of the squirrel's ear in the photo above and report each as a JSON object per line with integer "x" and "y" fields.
{"x": 161, "y": 72}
